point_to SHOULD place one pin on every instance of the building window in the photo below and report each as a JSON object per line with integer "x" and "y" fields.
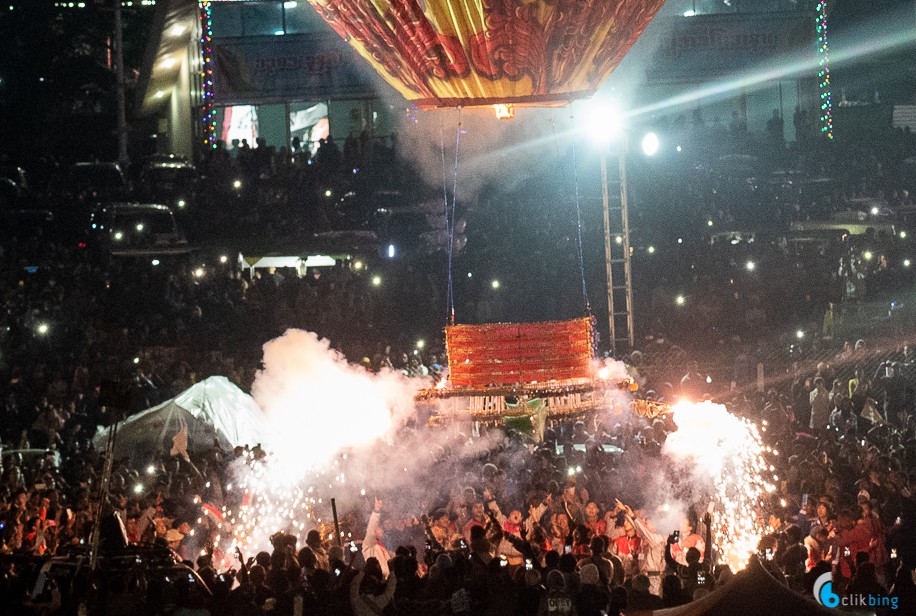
{"x": 302, "y": 19}
{"x": 231, "y": 19}
{"x": 227, "y": 19}
{"x": 262, "y": 19}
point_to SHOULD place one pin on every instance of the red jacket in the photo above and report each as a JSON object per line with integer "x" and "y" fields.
{"x": 857, "y": 539}
{"x": 599, "y": 527}
{"x": 628, "y": 546}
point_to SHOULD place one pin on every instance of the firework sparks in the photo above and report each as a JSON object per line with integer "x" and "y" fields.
{"x": 317, "y": 407}
{"x": 727, "y": 452}
{"x": 323, "y": 414}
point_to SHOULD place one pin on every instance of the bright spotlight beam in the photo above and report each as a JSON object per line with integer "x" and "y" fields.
{"x": 880, "y": 41}
{"x": 604, "y": 120}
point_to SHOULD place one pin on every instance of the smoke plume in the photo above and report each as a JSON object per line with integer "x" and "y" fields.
{"x": 316, "y": 404}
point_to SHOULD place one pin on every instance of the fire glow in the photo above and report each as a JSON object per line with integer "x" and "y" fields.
{"x": 332, "y": 431}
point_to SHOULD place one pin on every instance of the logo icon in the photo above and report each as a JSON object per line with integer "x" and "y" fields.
{"x": 823, "y": 590}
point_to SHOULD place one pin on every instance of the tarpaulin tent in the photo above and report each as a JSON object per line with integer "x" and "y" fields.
{"x": 212, "y": 409}
{"x": 751, "y": 592}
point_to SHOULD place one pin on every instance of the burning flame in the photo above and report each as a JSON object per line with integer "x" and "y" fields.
{"x": 504, "y": 111}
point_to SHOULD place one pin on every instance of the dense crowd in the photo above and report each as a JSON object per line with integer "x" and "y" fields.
{"x": 525, "y": 528}
{"x": 514, "y": 528}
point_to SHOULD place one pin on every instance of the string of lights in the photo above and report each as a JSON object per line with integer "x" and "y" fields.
{"x": 823, "y": 74}
{"x": 208, "y": 111}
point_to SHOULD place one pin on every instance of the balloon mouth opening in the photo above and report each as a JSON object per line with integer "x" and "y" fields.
{"x": 559, "y": 99}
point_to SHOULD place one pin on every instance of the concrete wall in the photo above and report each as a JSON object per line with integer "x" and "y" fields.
{"x": 180, "y": 114}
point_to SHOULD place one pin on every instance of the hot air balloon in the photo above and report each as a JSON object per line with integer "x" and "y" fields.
{"x": 475, "y": 53}
{"x": 471, "y": 53}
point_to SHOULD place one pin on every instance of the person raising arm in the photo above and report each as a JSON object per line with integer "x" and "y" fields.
{"x": 372, "y": 544}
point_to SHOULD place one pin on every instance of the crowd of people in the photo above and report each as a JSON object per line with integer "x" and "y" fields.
{"x": 508, "y": 529}
{"x": 515, "y": 527}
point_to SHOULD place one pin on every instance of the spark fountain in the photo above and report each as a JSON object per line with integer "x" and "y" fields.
{"x": 333, "y": 426}
{"x": 727, "y": 459}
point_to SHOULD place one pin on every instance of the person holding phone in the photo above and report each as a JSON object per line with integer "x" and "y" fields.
{"x": 442, "y": 527}
{"x": 818, "y": 547}
{"x": 806, "y": 516}
{"x": 869, "y": 518}
{"x": 559, "y": 532}
{"x": 687, "y": 539}
{"x": 852, "y": 537}
{"x": 650, "y": 559}
{"x": 478, "y": 518}
{"x": 374, "y": 601}
{"x": 627, "y": 543}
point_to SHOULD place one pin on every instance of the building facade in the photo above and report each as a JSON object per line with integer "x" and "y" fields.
{"x": 231, "y": 70}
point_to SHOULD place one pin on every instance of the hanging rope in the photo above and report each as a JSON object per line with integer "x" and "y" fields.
{"x": 588, "y": 306}
{"x": 451, "y": 228}
{"x": 448, "y": 232}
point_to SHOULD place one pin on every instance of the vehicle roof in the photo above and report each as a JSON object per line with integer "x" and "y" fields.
{"x": 29, "y": 212}
{"x": 33, "y": 450}
{"x": 169, "y": 164}
{"x": 125, "y": 205}
{"x": 86, "y": 165}
{"x": 159, "y": 157}
{"x": 152, "y": 556}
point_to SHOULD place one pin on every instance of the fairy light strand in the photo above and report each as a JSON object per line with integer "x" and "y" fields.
{"x": 208, "y": 110}
{"x": 823, "y": 75}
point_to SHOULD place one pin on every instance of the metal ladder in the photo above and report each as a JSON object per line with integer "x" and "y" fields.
{"x": 617, "y": 259}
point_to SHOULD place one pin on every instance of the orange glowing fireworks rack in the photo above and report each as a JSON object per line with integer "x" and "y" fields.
{"x": 553, "y": 361}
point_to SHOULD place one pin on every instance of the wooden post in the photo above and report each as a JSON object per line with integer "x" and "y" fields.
{"x": 336, "y": 522}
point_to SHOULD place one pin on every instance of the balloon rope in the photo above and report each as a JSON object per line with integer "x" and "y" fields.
{"x": 448, "y": 232}
{"x": 588, "y": 306}
{"x": 451, "y": 239}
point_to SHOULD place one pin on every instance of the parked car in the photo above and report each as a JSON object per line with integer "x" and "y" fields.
{"x": 170, "y": 180}
{"x": 30, "y": 458}
{"x": 145, "y": 567}
{"x": 136, "y": 230}
{"x": 78, "y": 189}
{"x": 93, "y": 182}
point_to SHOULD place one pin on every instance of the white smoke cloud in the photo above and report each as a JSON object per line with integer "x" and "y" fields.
{"x": 338, "y": 431}
{"x": 335, "y": 430}
{"x": 316, "y": 404}
{"x": 507, "y": 152}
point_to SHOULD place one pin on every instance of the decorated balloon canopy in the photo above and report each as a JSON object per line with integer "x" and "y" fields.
{"x": 449, "y": 53}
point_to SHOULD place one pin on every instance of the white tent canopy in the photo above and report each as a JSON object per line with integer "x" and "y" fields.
{"x": 301, "y": 265}
{"x": 212, "y": 409}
